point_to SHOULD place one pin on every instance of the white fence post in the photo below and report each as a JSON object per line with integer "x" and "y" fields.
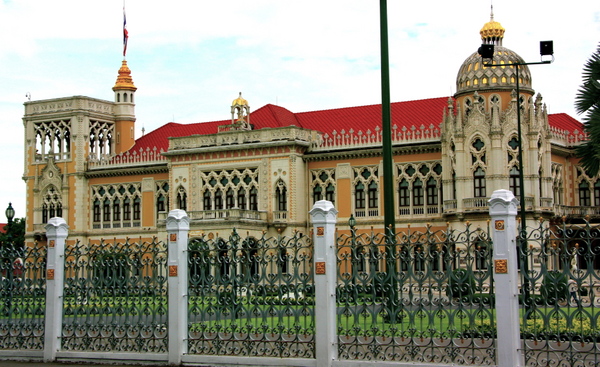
{"x": 56, "y": 233}
{"x": 178, "y": 227}
{"x": 324, "y": 217}
{"x": 503, "y": 210}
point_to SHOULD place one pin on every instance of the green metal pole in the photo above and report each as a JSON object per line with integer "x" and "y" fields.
{"x": 388, "y": 160}
{"x": 522, "y": 214}
{"x": 391, "y": 285}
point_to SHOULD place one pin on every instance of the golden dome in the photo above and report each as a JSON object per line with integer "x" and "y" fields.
{"x": 492, "y": 29}
{"x": 124, "y": 80}
{"x": 239, "y": 101}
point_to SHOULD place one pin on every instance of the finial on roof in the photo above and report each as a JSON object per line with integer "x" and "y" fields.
{"x": 239, "y": 101}
{"x": 492, "y": 31}
{"x": 124, "y": 80}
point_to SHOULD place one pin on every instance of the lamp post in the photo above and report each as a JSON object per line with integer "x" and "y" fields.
{"x": 487, "y": 52}
{"x": 388, "y": 165}
{"x": 10, "y": 213}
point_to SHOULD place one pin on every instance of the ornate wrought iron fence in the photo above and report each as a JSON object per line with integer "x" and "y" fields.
{"x": 115, "y": 297}
{"x": 22, "y": 297}
{"x": 416, "y": 296}
{"x": 251, "y": 297}
{"x": 560, "y": 316}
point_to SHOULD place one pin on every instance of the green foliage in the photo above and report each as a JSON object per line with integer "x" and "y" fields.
{"x": 588, "y": 101}
{"x": 15, "y": 233}
{"x": 554, "y": 287}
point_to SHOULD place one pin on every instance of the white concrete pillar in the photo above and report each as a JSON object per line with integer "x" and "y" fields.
{"x": 323, "y": 217}
{"x": 503, "y": 211}
{"x": 56, "y": 234}
{"x": 178, "y": 227}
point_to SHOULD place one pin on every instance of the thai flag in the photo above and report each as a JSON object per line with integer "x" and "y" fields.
{"x": 125, "y": 33}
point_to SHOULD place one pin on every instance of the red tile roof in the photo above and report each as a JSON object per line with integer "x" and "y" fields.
{"x": 424, "y": 112}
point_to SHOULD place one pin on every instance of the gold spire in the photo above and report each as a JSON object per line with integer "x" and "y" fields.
{"x": 124, "y": 80}
{"x": 492, "y": 29}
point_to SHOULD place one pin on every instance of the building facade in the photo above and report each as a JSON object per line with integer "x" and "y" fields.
{"x": 261, "y": 171}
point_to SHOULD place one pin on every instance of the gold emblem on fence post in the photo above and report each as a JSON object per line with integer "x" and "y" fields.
{"x": 49, "y": 274}
{"x": 173, "y": 237}
{"x": 320, "y": 231}
{"x": 499, "y": 225}
{"x": 501, "y": 266}
{"x": 51, "y": 244}
{"x": 172, "y": 270}
{"x": 320, "y": 267}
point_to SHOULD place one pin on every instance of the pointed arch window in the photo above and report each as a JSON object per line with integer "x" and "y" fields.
{"x": 432, "y": 191}
{"x": 241, "y": 198}
{"x": 373, "y": 195}
{"x": 218, "y": 199}
{"x": 207, "y": 200}
{"x": 479, "y": 183}
{"x": 253, "y": 202}
{"x": 181, "y": 198}
{"x": 359, "y": 196}
{"x": 597, "y": 193}
{"x": 418, "y": 192}
{"x": 137, "y": 208}
{"x": 330, "y": 193}
{"x": 514, "y": 183}
{"x": 584, "y": 194}
{"x": 317, "y": 194}
{"x": 229, "y": 198}
{"x": 281, "y": 196}
{"x": 404, "y": 194}
{"x": 52, "y": 205}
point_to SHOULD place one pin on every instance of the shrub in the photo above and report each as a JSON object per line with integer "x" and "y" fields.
{"x": 554, "y": 287}
{"x": 461, "y": 284}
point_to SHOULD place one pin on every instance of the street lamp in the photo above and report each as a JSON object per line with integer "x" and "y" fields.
{"x": 487, "y": 52}
{"x": 10, "y": 213}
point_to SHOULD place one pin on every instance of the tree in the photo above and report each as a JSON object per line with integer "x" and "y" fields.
{"x": 588, "y": 101}
{"x": 14, "y": 233}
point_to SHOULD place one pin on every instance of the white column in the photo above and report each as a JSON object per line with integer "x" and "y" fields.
{"x": 178, "y": 227}
{"x": 323, "y": 217}
{"x": 503, "y": 210}
{"x": 56, "y": 233}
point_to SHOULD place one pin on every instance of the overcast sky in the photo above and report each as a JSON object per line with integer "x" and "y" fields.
{"x": 190, "y": 59}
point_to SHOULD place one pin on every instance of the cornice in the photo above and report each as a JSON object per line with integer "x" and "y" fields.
{"x": 127, "y": 171}
{"x": 353, "y": 153}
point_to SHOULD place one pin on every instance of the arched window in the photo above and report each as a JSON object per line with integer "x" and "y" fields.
{"x": 373, "y": 195}
{"x": 218, "y": 199}
{"x": 317, "y": 194}
{"x": 181, "y": 198}
{"x": 404, "y": 194}
{"x": 281, "y": 196}
{"x": 229, "y": 199}
{"x": 253, "y": 198}
{"x": 359, "y": 196}
{"x": 330, "y": 193}
{"x": 479, "y": 183}
{"x": 514, "y": 183}
{"x": 597, "y": 193}
{"x": 241, "y": 198}
{"x": 432, "y": 192}
{"x": 584, "y": 194}
{"x": 207, "y": 200}
{"x": 418, "y": 192}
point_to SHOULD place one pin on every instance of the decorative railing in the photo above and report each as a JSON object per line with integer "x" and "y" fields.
{"x": 565, "y": 137}
{"x": 358, "y": 138}
{"x": 581, "y": 211}
{"x": 230, "y": 214}
{"x": 235, "y": 137}
{"x": 129, "y": 158}
{"x": 481, "y": 204}
{"x": 280, "y": 216}
{"x": 406, "y": 298}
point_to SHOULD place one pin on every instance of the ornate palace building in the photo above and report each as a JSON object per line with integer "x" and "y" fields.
{"x": 262, "y": 170}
